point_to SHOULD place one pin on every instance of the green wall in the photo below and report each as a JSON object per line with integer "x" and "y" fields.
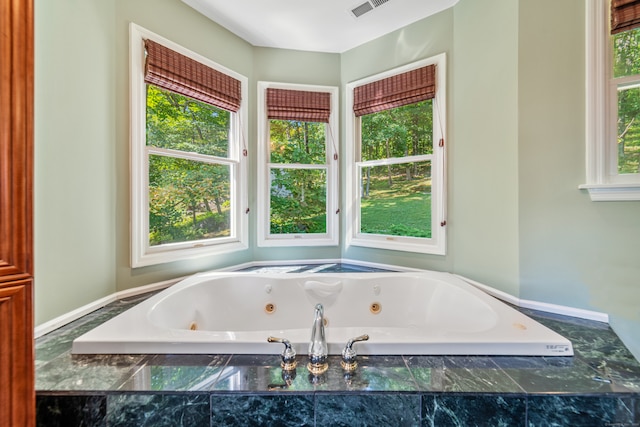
{"x": 75, "y": 199}
{"x": 483, "y": 160}
{"x": 573, "y": 251}
{"x": 516, "y": 149}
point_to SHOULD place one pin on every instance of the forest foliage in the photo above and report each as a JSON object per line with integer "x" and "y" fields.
{"x": 189, "y": 198}
{"x": 298, "y": 194}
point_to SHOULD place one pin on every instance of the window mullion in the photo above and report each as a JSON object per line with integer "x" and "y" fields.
{"x": 396, "y": 160}
{"x": 627, "y": 81}
{"x": 295, "y": 166}
{"x": 167, "y": 152}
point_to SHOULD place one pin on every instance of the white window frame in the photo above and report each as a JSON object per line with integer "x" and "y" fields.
{"x": 265, "y": 237}
{"x": 142, "y": 254}
{"x": 437, "y": 243}
{"x": 603, "y": 181}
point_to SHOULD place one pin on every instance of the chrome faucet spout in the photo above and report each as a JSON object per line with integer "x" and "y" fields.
{"x": 318, "y": 350}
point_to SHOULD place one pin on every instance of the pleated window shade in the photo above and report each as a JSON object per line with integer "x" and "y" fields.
{"x": 177, "y": 73}
{"x": 395, "y": 91}
{"x": 625, "y": 15}
{"x": 299, "y": 105}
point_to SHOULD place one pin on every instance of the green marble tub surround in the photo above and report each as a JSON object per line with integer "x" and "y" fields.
{"x": 582, "y": 411}
{"x": 595, "y": 344}
{"x": 255, "y": 373}
{"x": 262, "y": 410}
{"x": 59, "y": 341}
{"x": 474, "y": 410}
{"x": 177, "y": 372}
{"x": 598, "y": 386}
{"x": 93, "y": 372}
{"x": 557, "y": 375}
{"x": 466, "y": 374}
{"x": 71, "y": 410}
{"x": 158, "y": 410}
{"x": 362, "y": 410}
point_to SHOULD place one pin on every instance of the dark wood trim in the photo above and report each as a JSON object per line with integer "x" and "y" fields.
{"x": 17, "y": 396}
{"x": 16, "y": 138}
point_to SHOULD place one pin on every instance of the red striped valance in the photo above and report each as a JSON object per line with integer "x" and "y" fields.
{"x": 172, "y": 71}
{"x": 304, "y": 106}
{"x": 395, "y": 91}
{"x": 625, "y": 15}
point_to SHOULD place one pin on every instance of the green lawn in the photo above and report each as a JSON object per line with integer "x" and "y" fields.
{"x": 404, "y": 209}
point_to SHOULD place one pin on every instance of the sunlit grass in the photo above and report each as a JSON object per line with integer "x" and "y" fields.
{"x": 402, "y": 209}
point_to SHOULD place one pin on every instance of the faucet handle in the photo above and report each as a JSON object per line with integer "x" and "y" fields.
{"x": 288, "y": 354}
{"x": 349, "y": 362}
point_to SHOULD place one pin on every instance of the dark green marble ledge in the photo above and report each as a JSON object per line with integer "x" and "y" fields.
{"x": 373, "y": 409}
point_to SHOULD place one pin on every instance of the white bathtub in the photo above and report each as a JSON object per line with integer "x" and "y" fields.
{"x": 426, "y": 313}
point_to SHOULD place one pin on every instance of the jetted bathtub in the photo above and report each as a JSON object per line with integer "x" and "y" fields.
{"x": 428, "y": 313}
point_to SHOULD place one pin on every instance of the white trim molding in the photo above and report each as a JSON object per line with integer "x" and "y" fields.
{"x": 331, "y": 166}
{"x": 436, "y": 244}
{"x": 603, "y": 181}
{"x": 612, "y": 193}
{"x": 142, "y": 254}
{"x": 539, "y": 306}
{"x": 76, "y": 314}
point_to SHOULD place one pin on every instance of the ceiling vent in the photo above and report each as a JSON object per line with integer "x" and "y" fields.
{"x": 365, "y": 7}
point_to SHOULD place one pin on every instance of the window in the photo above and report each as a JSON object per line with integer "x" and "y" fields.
{"x": 397, "y": 159}
{"x": 187, "y": 163}
{"x": 613, "y": 100}
{"x": 297, "y": 165}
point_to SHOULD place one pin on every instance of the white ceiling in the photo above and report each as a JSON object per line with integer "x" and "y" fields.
{"x": 312, "y": 25}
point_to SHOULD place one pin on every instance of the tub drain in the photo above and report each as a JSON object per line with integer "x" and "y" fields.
{"x": 270, "y": 308}
{"x": 193, "y": 326}
{"x": 375, "y": 308}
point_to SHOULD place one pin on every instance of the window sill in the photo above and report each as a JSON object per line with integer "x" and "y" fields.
{"x": 151, "y": 257}
{"x": 612, "y": 192}
{"x": 395, "y": 243}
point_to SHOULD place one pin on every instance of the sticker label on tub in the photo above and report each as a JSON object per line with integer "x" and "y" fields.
{"x": 558, "y": 348}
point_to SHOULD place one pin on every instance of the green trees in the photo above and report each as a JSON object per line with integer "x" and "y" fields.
{"x": 298, "y": 180}
{"x": 627, "y": 69}
{"x": 190, "y": 171}
{"x": 189, "y": 182}
{"x": 399, "y": 132}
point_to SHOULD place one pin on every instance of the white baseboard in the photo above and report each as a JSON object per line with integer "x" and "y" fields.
{"x": 69, "y": 317}
{"x": 540, "y": 306}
